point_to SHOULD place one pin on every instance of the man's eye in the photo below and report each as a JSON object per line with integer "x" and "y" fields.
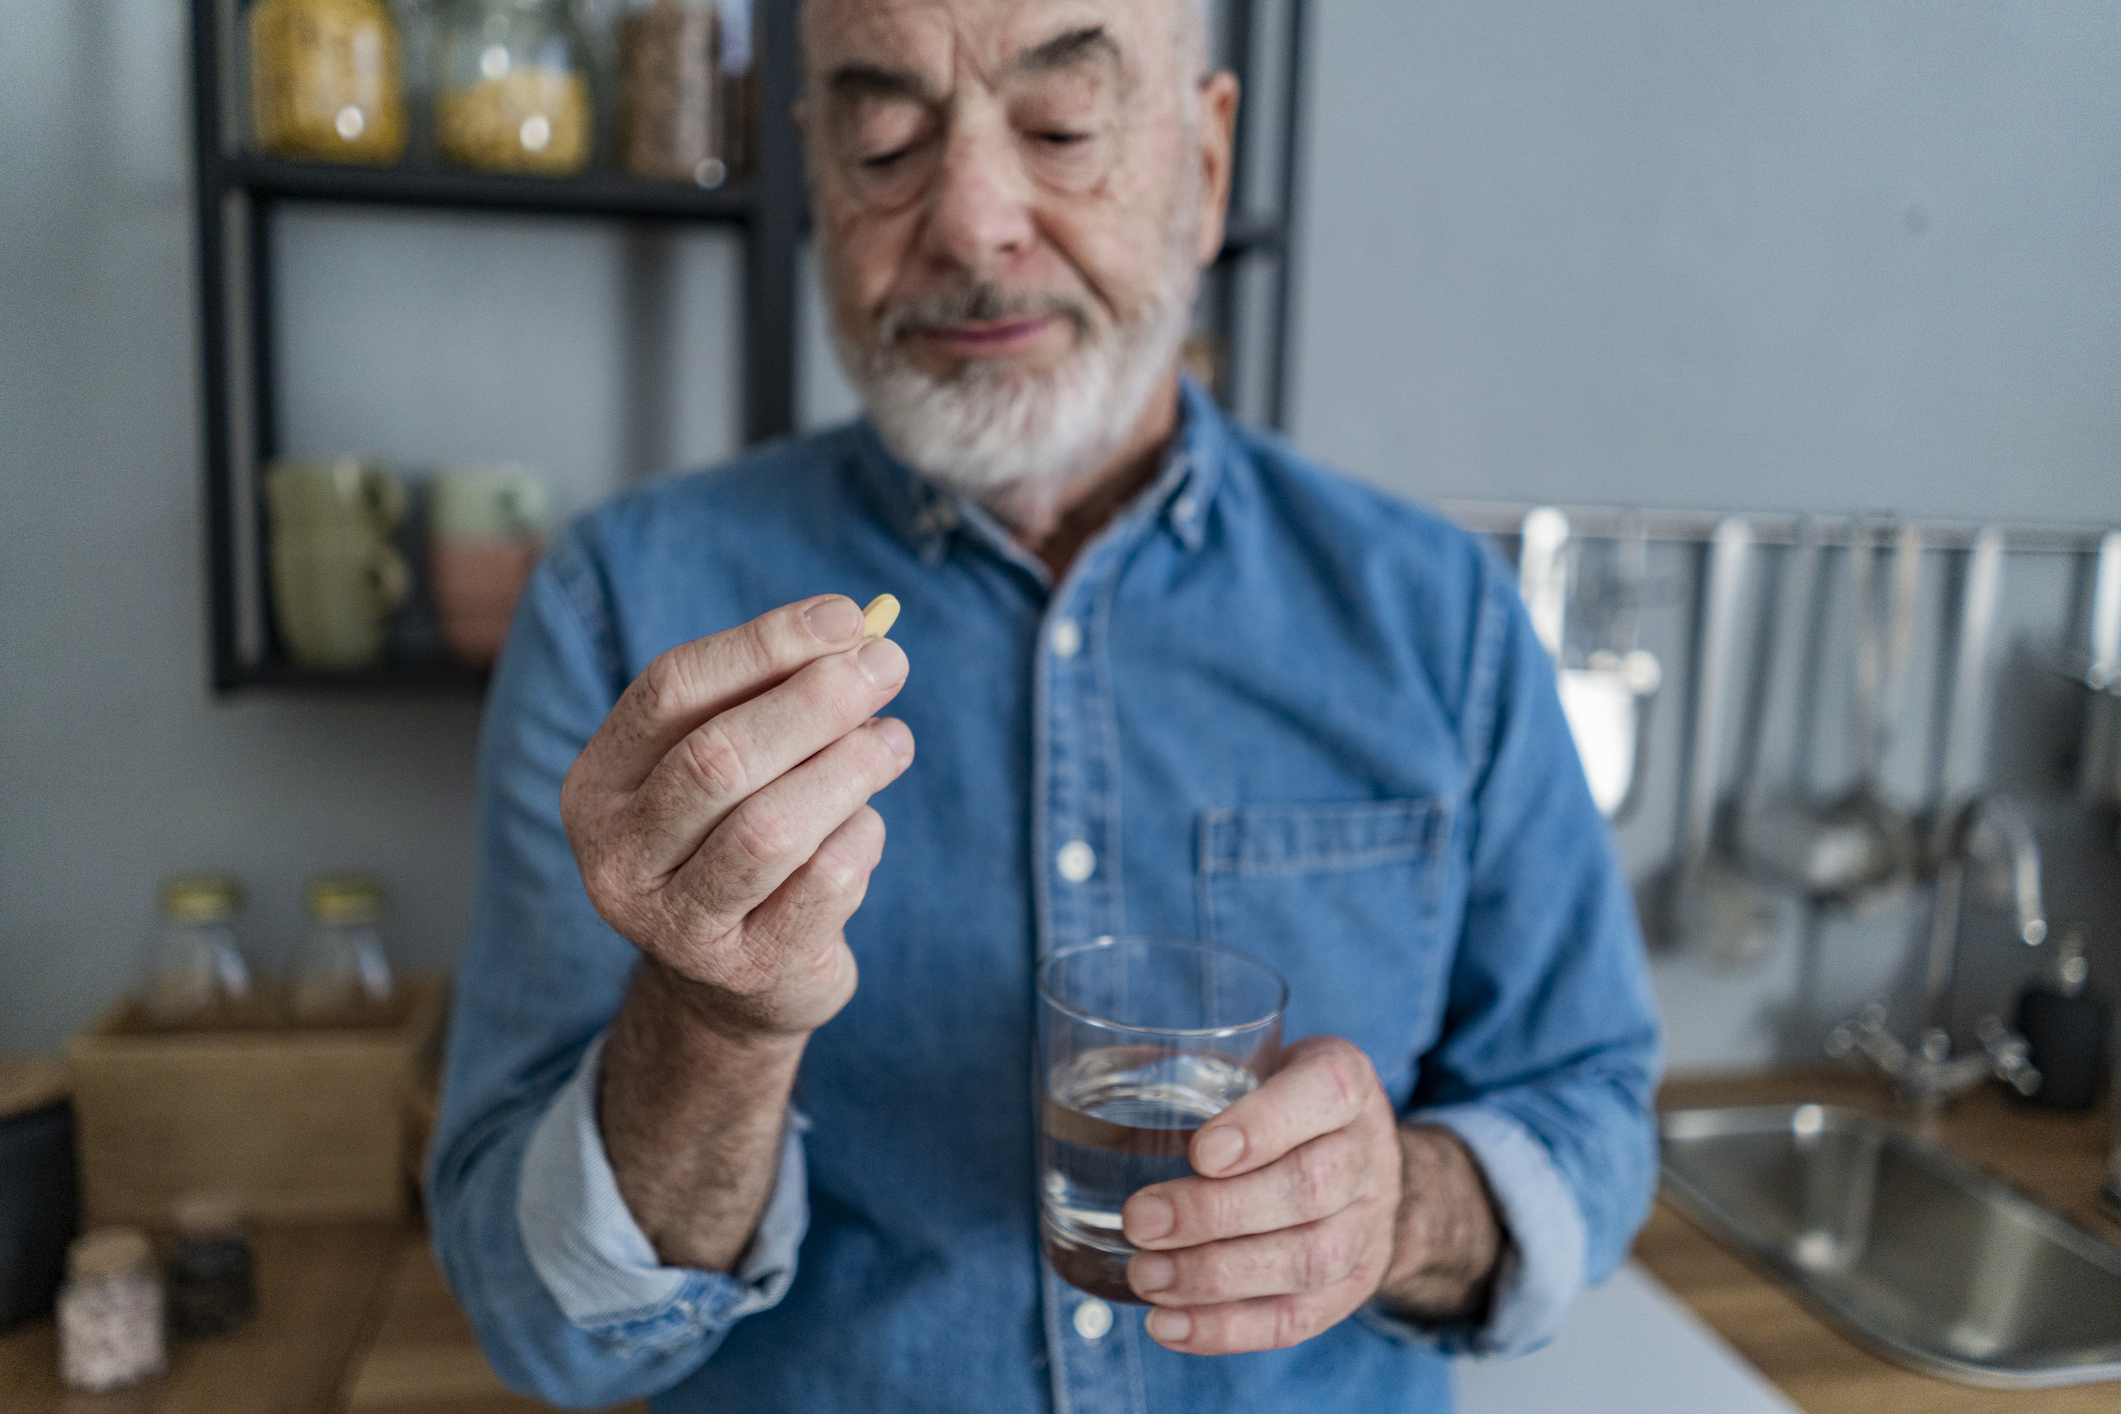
{"x": 1063, "y": 139}
{"x": 883, "y": 160}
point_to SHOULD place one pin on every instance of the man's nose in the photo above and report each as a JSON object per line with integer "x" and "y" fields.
{"x": 981, "y": 220}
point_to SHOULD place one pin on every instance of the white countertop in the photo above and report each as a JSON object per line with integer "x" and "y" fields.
{"x": 1630, "y": 1347}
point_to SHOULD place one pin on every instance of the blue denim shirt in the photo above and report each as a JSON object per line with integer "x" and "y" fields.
{"x": 1277, "y": 709}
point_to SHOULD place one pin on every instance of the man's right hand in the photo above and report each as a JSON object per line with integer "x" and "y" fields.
{"x": 720, "y": 815}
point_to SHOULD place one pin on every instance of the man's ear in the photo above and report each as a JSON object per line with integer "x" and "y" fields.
{"x": 1218, "y": 139}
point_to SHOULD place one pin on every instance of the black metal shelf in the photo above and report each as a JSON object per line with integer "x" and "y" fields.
{"x": 1254, "y": 235}
{"x": 238, "y": 195}
{"x": 601, "y": 194}
{"x": 390, "y": 678}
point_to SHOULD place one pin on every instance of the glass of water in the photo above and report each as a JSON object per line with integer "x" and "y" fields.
{"x": 1140, "y": 1041}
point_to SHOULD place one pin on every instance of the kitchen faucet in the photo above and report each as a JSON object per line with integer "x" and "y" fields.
{"x": 1928, "y": 1074}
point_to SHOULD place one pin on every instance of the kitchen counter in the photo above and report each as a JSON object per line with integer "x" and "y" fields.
{"x": 355, "y": 1317}
{"x": 2056, "y": 1159}
{"x": 316, "y": 1285}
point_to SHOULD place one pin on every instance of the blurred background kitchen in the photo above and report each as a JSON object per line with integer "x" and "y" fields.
{"x": 1849, "y": 271}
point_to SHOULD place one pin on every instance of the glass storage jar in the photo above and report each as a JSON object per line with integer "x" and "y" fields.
{"x": 213, "y": 1285}
{"x": 197, "y": 973}
{"x": 110, "y": 1312}
{"x": 737, "y": 110}
{"x": 324, "y": 81}
{"x": 670, "y": 91}
{"x": 512, "y": 87}
{"x": 344, "y": 976}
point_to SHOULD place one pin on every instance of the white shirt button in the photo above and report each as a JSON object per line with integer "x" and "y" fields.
{"x": 1076, "y": 861}
{"x": 1067, "y": 638}
{"x": 1092, "y": 1319}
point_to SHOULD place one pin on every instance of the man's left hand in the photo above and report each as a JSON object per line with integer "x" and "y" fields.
{"x": 1299, "y": 1216}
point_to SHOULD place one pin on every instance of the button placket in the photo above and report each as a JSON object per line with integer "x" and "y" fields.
{"x": 1100, "y": 1374}
{"x": 1078, "y": 776}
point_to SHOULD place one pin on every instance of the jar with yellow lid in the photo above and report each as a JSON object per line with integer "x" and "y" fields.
{"x": 512, "y": 87}
{"x": 324, "y": 81}
{"x": 344, "y": 977}
{"x": 197, "y": 973}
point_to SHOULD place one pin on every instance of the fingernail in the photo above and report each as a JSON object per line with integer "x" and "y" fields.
{"x": 833, "y": 620}
{"x": 1151, "y": 1271}
{"x": 1169, "y": 1326}
{"x": 897, "y": 736}
{"x": 883, "y": 662}
{"x": 1147, "y": 1217}
{"x": 1217, "y": 1148}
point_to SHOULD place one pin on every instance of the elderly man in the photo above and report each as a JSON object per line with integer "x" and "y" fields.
{"x": 1166, "y": 677}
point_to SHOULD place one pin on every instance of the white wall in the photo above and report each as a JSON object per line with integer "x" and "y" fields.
{"x": 1807, "y": 255}
{"x": 1834, "y": 256}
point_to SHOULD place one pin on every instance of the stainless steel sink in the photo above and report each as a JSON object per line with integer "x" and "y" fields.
{"x": 1926, "y": 1260}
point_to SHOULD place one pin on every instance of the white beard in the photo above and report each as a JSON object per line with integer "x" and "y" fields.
{"x": 994, "y": 428}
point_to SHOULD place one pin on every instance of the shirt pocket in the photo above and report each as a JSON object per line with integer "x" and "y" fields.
{"x": 1343, "y": 900}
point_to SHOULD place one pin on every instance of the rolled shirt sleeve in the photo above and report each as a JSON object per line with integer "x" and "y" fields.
{"x": 1548, "y": 1062}
{"x": 556, "y": 1278}
{"x": 1541, "y": 1270}
{"x": 601, "y": 1269}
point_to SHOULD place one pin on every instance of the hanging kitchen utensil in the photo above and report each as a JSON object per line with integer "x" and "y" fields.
{"x": 1962, "y": 766}
{"x": 2099, "y": 755}
{"x": 1962, "y": 760}
{"x": 1699, "y": 901}
{"x": 1787, "y": 695}
{"x": 1607, "y": 700}
{"x": 1859, "y": 848}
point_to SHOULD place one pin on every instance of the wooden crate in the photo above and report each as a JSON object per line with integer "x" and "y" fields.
{"x": 295, "y": 1123}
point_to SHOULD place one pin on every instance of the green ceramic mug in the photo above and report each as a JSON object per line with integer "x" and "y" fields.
{"x": 335, "y": 578}
{"x": 503, "y": 500}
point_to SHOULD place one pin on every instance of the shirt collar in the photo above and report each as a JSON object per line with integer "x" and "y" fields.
{"x": 926, "y": 516}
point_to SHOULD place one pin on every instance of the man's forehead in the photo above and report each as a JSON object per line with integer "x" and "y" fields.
{"x": 936, "y": 38}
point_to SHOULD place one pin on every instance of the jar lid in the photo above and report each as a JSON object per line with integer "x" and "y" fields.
{"x": 201, "y": 898}
{"x": 207, "y": 1215}
{"x": 107, "y": 1252}
{"x": 346, "y": 898}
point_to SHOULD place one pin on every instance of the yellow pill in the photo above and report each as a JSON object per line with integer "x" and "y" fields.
{"x": 878, "y": 618}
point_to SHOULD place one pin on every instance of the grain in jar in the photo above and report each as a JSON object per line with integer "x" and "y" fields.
{"x": 513, "y": 88}
{"x": 324, "y": 81}
{"x": 669, "y": 65}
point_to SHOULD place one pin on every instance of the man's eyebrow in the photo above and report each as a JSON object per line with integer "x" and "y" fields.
{"x": 1065, "y": 51}
{"x": 875, "y": 81}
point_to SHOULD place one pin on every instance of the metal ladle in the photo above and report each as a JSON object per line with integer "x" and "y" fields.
{"x": 1699, "y": 901}
{"x": 1859, "y": 848}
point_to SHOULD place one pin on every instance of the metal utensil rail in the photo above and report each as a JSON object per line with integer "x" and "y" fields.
{"x": 1769, "y": 528}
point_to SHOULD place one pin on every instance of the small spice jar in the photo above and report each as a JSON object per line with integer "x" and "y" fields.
{"x": 212, "y": 1281}
{"x": 344, "y": 977}
{"x": 512, "y": 87}
{"x": 670, "y": 93}
{"x": 110, "y": 1312}
{"x": 324, "y": 81}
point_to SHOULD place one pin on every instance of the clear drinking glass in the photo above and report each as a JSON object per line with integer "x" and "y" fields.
{"x": 1140, "y": 1041}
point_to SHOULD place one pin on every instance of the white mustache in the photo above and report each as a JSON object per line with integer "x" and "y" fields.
{"x": 976, "y": 303}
